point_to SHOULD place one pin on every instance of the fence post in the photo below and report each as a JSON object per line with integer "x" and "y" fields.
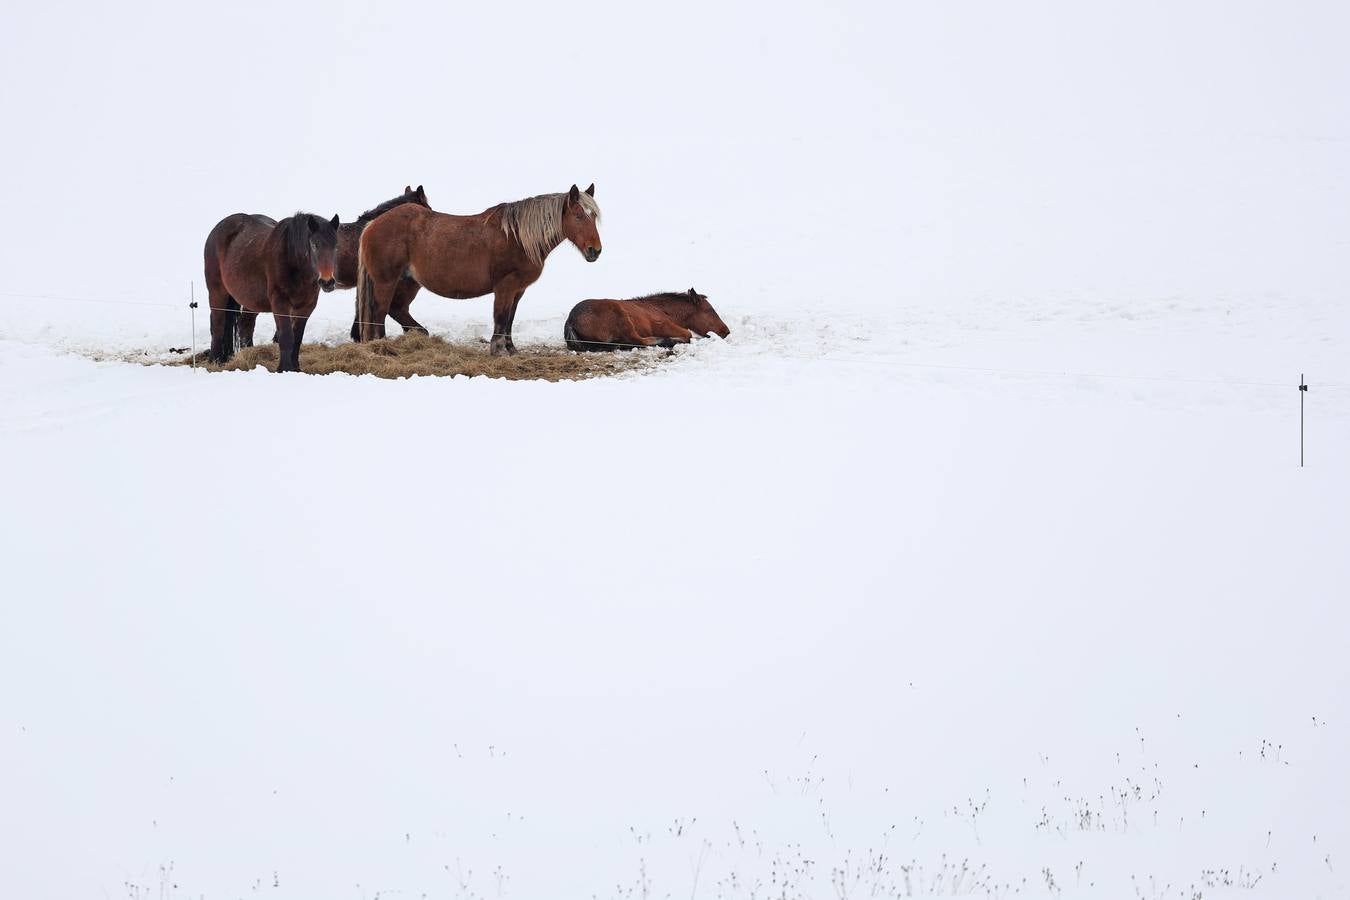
{"x": 1302, "y": 391}
{"x": 192, "y": 305}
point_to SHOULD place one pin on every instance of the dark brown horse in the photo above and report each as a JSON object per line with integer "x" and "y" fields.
{"x": 255, "y": 264}
{"x": 657, "y": 320}
{"x": 500, "y": 251}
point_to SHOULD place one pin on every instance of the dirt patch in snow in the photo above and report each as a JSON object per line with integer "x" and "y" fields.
{"x": 418, "y": 354}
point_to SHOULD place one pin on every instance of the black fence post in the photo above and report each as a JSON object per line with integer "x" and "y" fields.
{"x": 1302, "y": 391}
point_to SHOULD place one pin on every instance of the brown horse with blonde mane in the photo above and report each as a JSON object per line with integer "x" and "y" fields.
{"x": 500, "y": 251}
{"x": 255, "y": 264}
{"x": 657, "y": 320}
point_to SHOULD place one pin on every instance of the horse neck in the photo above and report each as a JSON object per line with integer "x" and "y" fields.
{"x": 349, "y": 238}
{"x": 371, "y": 215}
{"x": 496, "y": 217}
{"x": 548, "y": 248}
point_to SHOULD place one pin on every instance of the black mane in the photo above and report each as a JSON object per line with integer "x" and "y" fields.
{"x": 299, "y": 230}
{"x": 666, "y": 295}
{"x": 386, "y": 206}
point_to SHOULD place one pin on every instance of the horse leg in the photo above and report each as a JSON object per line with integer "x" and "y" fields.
{"x": 505, "y": 300}
{"x": 247, "y": 320}
{"x": 404, "y": 292}
{"x": 667, "y": 333}
{"x": 218, "y": 305}
{"x": 286, "y": 338}
{"x": 655, "y": 330}
{"x": 357, "y": 320}
{"x": 511, "y": 323}
{"x": 224, "y": 319}
{"x": 299, "y": 338}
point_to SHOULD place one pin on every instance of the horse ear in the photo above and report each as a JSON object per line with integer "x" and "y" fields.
{"x": 573, "y": 195}
{"x": 590, "y": 191}
{"x": 407, "y": 189}
{"x": 335, "y": 223}
{"x": 421, "y": 194}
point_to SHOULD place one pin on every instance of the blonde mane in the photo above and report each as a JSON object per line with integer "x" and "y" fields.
{"x": 537, "y": 222}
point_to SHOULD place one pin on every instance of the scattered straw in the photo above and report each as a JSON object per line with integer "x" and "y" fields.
{"x": 417, "y": 354}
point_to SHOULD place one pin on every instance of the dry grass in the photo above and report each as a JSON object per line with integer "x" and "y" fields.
{"x": 418, "y": 354}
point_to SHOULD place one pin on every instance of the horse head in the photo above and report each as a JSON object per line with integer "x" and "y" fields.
{"x": 705, "y": 319}
{"x": 323, "y": 239}
{"x": 580, "y": 218}
{"x": 418, "y": 196}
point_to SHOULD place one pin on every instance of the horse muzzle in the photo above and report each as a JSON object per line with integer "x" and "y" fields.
{"x": 327, "y": 284}
{"x": 592, "y": 254}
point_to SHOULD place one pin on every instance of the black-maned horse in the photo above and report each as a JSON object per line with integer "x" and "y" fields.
{"x": 255, "y": 264}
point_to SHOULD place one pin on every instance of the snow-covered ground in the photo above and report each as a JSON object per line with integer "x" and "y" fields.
{"x": 977, "y": 561}
{"x": 789, "y": 614}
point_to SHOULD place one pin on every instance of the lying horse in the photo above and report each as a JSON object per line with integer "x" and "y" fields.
{"x": 500, "y": 251}
{"x": 658, "y": 320}
{"x": 255, "y": 264}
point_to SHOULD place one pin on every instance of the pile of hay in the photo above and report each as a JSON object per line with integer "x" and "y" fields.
{"x": 418, "y": 354}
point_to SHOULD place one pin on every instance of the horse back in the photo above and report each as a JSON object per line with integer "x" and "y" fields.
{"x": 451, "y": 255}
{"x": 232, "y": 227}
{"x": 236, "y": 248}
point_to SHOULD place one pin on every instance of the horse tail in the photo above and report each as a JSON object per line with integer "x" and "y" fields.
{"x": 570, "y": 335}
{"x": 232, "y": 320}
{"x": 365, "y": 297}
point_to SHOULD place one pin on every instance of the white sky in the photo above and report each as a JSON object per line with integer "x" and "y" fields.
{"x": 866, "y": 151}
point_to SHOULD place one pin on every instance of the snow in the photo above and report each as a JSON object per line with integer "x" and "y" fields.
{"x": 978, "y": 560}
{"x": 364, "y": 636}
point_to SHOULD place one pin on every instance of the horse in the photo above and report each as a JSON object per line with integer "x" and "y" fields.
{"x": 255, "y": 264}
{"x": 657, "y": 320}
{"x": 500, "y": 251}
